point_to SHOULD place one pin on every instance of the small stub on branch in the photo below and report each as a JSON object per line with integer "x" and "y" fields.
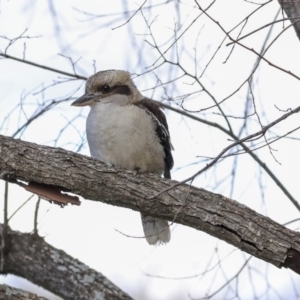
{"x": 51, "y": 193}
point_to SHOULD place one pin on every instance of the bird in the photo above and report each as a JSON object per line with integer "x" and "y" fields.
{"x": 127, "y": 130}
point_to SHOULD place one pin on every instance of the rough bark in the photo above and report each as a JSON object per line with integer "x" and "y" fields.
{"x": 30, "y": 257}
{"x": 11, "y": 293}
{"x": 292, "y": 10}
{"x": 215, "y": 214}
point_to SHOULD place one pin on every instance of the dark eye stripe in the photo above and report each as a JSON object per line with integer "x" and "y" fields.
{"x": 118, "y": 89}
{"x": 123, "y": 90}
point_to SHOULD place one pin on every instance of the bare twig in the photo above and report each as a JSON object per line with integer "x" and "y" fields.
{"x": 35, "y": 229}
{"x": 25, "y": 202}
{"x": 140, "y": 8}
{"x": 257, "y": 134}
{"x": 260, "y": 28}
{"x": 42, "y": 66}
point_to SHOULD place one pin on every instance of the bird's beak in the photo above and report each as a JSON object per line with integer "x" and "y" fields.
{"x": 84, "y": 100}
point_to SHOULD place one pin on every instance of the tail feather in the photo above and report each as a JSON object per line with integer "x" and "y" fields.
{"x": 156, "y": 230}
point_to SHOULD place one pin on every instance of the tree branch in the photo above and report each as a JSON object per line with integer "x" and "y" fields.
{"x": 43, "y": 66}
{"x": 29, "y": 256}
{"x": 215, "y": 214}
{"x": 292, "y": 10}
{"x": 11, "y": 293}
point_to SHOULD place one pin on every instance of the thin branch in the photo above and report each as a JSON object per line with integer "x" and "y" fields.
{"x": 6, "y": 204}
{"x": 42, "y": 66}
{"x": 251, "y": 49}
{"x": 140, "y": 8}
{"x": 25, "y": 202}
{"x": 35, "y": 229}
{"x": 227, "y": 282}
{"x": 257, "y": 134}
{"x": 260, "y": 28}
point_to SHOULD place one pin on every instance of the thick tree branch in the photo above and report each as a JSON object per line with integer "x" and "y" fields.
{"x": 215, "y": 214}
{"x": 11, "y": 293}
{"x": 30, "y": 257}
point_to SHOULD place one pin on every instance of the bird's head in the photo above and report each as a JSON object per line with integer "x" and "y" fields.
{"x": 111, "y": 86}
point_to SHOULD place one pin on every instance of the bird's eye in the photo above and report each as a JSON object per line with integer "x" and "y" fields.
{"x": 105, "y": 88}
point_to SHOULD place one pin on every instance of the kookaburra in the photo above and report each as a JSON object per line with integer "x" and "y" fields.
{"x": 127, "y": 130}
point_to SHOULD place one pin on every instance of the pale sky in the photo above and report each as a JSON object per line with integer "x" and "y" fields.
{"x": 88, "y": 232}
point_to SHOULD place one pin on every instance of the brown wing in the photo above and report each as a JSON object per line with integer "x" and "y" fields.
{"x": 162, "y": 131}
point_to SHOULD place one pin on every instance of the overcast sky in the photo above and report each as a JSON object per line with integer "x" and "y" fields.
{"x": 87, "y": 30}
